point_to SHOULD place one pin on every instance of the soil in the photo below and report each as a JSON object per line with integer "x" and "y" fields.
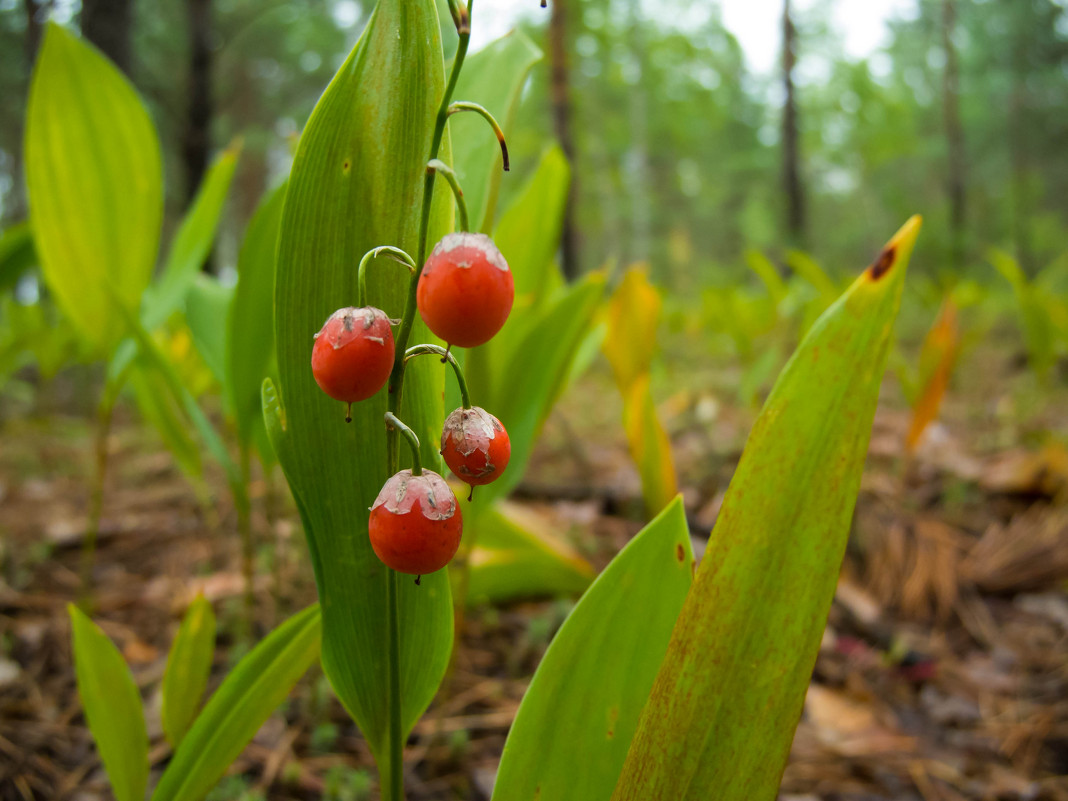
{"x": 943, "y": 673}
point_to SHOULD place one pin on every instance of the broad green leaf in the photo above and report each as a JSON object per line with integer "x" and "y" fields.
{"x": 247, "y": 697}
{"x": 250, "y": 339}
{"x": 516, "y": 557}
{"x": 95, "y": 184}
{"x": 188, "y": 668}
{"x": 207, "y": 304}
{"x": 112, "y": 707}
{"x": 493, "y": 77}
{"x": 649, "y": 445}
{"x": 528, "y": 236}
{"x": 528, "y": 233}
{"x": 193, "y": 241}
{"x": 357, "y": 183}
{"x": 722, "y": 713}
{"x": 17, "y": 254}
{"x": 572, "y": 731}
{"x": 532, "y": 378}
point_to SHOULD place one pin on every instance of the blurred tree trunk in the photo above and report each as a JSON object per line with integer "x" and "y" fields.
{"x": 560, "y": 99}
{"x": 107, "y": 24}
{"x": 636, "y": 159}
{"x": 954, "y": 138}
{"x": 33, "y": 11}
{"x": 1018, "y": 135}
{"x": 791, "y": 158}
{"x": 196, "y": 146}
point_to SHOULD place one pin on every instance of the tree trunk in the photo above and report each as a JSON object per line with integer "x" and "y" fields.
{"x": 955, "y": 180}
{"x": 791, "y": 159}
{"x": 107, "y": 24}
{"x": 196, "y": 147}
{"x": 1018, "y": 142}
{"x": 560, "y": 98}
{"x": 636, "y": 159}
{"x": 33, "y": 28}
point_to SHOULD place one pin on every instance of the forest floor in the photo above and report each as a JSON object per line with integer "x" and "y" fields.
{"x": 943, "y": 673}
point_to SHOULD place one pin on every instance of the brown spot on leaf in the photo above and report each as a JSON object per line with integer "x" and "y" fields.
{"x": 881, "y": 266}
{"x": 680, "y": 552}
{"x": 346, "y": 165}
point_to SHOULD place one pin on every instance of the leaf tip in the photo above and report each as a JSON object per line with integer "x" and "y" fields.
{"x": 897, "y": 250}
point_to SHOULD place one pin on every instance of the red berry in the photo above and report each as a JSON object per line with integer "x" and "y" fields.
{"x": 353, "y": 354}
{"x": 415, "y": 523}
{"x": 466, "y": 289}
{"x": 475, "y": 446}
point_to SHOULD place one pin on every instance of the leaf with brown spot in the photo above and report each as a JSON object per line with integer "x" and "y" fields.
{"x": 722, "y": 713}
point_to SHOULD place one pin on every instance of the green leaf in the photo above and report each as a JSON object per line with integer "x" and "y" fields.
{"x": 17, "y": 254}
{"x": 572, "y": 731}
{"x": 528, "y": 236}
{"x": 188, "y": 668}
{"x": 193, "y": 241}
{"x": 532, "y": 376}
{"x": 809, "y": 269}
{"x": 516, "y": 557}
{"x": 357, "y": 183}
{"x": 493, "y": 77}
{"x": 768, "y": 274}
{"x": 207, "y": 305}
{"x": 250, "y": 339}
{"x": 1038, "y": 329}
{"x": 722, "y": 713}
{"x": 112, "y": 706}
{"x": 95, "y": 184}
{"x": 246, "y": 698}
{"x": 529, "y": 231}
{"x": 165, "y": 413}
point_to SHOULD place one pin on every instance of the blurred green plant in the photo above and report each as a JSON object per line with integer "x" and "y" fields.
{"x": 94, "y": 177}
{"x": 206, "y": 743}
{"x": 1042, "y": 310}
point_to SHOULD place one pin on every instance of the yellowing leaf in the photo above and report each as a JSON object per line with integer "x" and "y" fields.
{"x": 633, "y": 315}
{"x": 649, "y": 446}
{"x": 938, "y": 356}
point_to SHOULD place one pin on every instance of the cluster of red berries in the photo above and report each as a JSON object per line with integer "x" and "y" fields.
{"x": 464, "y": 295}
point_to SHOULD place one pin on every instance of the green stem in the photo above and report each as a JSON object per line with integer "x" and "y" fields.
{"x": 244, "y": 528}
{"x": 394, "y": 423}
{"x": 396, "y": 735}
{"x": 446, "y": 355}
{"x": 465, "y": 105}
{"x": 439, "y": 166}
{"x": 390, "y": 252}
{"x": 96, "y": 497}
{"x": 396, "y": 387}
